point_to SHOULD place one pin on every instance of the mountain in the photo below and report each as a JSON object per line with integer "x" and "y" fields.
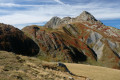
{"x": 83, "y": 17}
{"x": 82, "y": 39}
{"x": 14, "y": 40}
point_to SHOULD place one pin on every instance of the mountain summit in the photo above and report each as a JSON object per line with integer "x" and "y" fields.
{"x": 53, "y": 22}
{"x": 83, "y": 17}
{"x": 86, "y": 16}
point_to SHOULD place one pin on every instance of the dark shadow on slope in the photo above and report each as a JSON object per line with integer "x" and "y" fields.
{"x": 94, "y": 54}
{"x": 116, "y": 54}
{"x": 14, "y": 40}
{"x": 76, "y": 55}
{"x": 65, "y": 30}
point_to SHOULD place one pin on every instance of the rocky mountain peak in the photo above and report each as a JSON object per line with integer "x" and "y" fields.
{"x": 85, "y": 13}
{"x": 86, "y": 16}
{"x": 83, "y": 17}
{"x": 53, "y": 22}
{"x": 55, "y": 18}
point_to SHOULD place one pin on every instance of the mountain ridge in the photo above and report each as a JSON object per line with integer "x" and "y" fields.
{"x": 84, "y": 16}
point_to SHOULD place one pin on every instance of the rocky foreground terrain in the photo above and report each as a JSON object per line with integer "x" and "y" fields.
{"x": 18, "y": 67}
{"x": 82, "y": 39}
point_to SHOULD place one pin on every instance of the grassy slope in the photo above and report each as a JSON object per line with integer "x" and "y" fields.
{"x": 18, "y": 67}
{"x": 94, "y": 72}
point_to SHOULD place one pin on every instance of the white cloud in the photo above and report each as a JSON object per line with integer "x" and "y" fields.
{"x": 6, "y": 1}
{"x": 42, "y": 13}
{"x": 8, "y": 5}
{"x": 58, "y": 1}
{"x": 23, "y": 18}
{"x": 16, "y": 5}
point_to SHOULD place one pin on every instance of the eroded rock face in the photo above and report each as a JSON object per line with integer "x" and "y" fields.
{"x": 14, "y": 40}
{"x": 115, "y": 47}
{"x": 98, "y": 51}
{"x": 112, "y": 44}
{"x": 95, "y": 40}
{"x": 94, "y": 37}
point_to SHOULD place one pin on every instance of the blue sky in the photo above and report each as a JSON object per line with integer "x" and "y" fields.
{"x": 21, "y": 13}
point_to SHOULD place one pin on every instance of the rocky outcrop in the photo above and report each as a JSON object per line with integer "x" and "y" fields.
{"x": 115, "y": 47}
{"x": 14, "y": 40}
{"x": 53, "y": 23}
{"x": 98, "y": 50}
{"x": 86, "y": 16}
{"x": 94, "y": 37}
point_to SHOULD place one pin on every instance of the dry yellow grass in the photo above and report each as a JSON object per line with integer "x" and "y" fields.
{"x": 94, "y": 72}
{"x": 18, "y": 67}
